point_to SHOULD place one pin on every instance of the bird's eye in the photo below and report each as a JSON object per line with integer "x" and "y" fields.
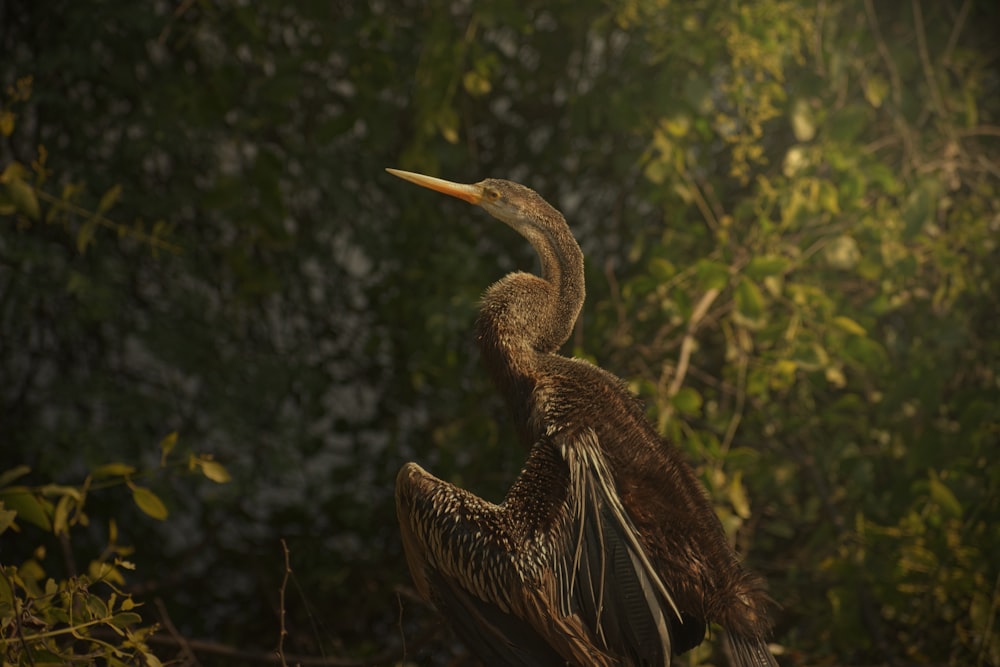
{"x": 492, "y": 194}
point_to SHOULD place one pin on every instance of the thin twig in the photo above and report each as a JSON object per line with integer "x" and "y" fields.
{"x": 182, "y": 643}
{"x": 963, "y": 13}
{"x": 925, "y": 58}
{"x": 64, "y": 205}
{"x": 283, "y": 632}
{"x": 687, "y": 347}
{"x": 399, "y": 624}
{"x": 741, "y": 395}
{"x": 883, "y": 49}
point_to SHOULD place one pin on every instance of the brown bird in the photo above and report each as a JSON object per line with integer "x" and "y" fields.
{"x": 606, "y": 550}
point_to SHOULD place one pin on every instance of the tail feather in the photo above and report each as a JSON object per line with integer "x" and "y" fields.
{"x": 750, "y": 652}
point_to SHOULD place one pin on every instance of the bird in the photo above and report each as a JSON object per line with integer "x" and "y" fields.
{"x": 605, "y": 550}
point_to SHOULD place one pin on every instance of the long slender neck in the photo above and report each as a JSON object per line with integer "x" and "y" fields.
{"x": 524, "y": 315}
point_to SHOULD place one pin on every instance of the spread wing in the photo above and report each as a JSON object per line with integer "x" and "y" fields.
{"x": 554, "y": 574}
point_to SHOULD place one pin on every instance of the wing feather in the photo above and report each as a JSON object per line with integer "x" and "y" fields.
{"x": 555, "y": 574}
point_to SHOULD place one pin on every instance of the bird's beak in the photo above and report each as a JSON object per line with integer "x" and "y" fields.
{"x": 470, "y": 193}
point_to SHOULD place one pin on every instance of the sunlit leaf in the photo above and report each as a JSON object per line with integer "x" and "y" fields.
{"x": 167, "y": 444}
{"x": 712, "y": 275}
{"x": 7, "y": 517}
{"x": 944, "y": 497}
{"x": 125, "y": 618}
{"x": 23, "y": 197}
{"x": 60, "y": 517}
{"x": 687, "y": 401}
{"x": 842, "y": 253}
{"x": 28, "y": 506}
{"x": 738, "y": 496}
{"x": 7, "y": 119}
{"x": 875, "y": 88}
{"x": 215, "y": 471}
{"x": 767, "y": 265}
{"x": 750, "y": 310}
{"x": 849, "y": 325}
{"x": 149, "y": 502}
{"x": 8, "y": 476}
{"x": 114, "y": 470}
{"x": 803, "y": 121}
{"x": 109, "y": 198}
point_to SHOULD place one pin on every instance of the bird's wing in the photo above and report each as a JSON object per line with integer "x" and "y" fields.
{"x": 464, "y": 557}
{"x": 556, "y": 573}
{"x": 607, "y": 578}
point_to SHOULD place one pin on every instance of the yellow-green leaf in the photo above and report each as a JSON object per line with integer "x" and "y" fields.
{"x": 875, "y": 88}
{"x": 125, "y": 618}
{"x": 168, "y": 443}
{"x": 28, "y": 506}
{"x": 8, "y": 476}
{"x": 749, "y": 305}
{"x": 6, "y": 518}
{"x": 7, "y": 119}
{"x": 842, "y": 253}
{"x": 149, "y": 502}
{"x": 738, "y": 496}
{"x": 215, "y": 471}
{"x": 114, "y": 470}
{"x": 943, "y": 496}
{"x": 109, "y": 199}
{"x": 767, "y": 265}
{"x": 60, "y": 518}
{"x": 23, "y": 197}
{"x": 85, "y": 235}
{"x": 687, "y": 400}
{"x": 803, "y": 121}
{"x": 712, "y": 275}
{"x": 849, "y": 325}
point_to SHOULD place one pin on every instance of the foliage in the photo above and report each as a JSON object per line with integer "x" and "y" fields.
{"x": 789, "y": 212}
{"x": 75, "y": 618}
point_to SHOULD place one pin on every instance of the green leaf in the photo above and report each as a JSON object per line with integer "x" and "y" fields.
{"x": 687, "y": 401}
{"x": 849, "y": 325}
{"x": 750, "y": 311}
{"x": 661, "y": 269}
{"x": 842, "y": 253}
{"x": 125, "y": 618}
{"x": 114, "y": 470}
{"x": 109, "y": 199}
{"x": 60, "y": 518}
{"x": 943, "y": 496}
{"x": 847, "y": 123}
{"x": 215, "y": 471}
{"x": 23, "y": 197}
{"x": 149, "y": 502}
{"x": 738, "y": 496}
{"x": 712, "y": 275}
{"x": 803, "y": 121}
{"x": 875, "y": 89}
{"x": 6, "y": 518}
{"x": 85, "y": 235}
{"x": 8, "y": 476}
{"x": 767, "y": 265}
{"x": 168, "y": 443}
{"x": 28, "y": 506}
{"x": 7, "y": 119}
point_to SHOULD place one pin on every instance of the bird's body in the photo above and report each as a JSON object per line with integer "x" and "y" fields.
{"x": 605, "y": 550}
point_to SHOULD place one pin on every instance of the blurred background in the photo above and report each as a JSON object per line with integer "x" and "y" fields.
{"x": 223, "y": 327}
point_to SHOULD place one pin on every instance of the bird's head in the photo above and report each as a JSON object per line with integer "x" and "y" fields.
{"x": 520, "y": 207}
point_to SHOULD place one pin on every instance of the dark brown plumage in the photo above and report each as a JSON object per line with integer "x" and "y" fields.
{"x": 606, "y": 550}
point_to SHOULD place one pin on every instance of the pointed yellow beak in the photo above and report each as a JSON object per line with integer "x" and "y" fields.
{"x": 470, "y": 193}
